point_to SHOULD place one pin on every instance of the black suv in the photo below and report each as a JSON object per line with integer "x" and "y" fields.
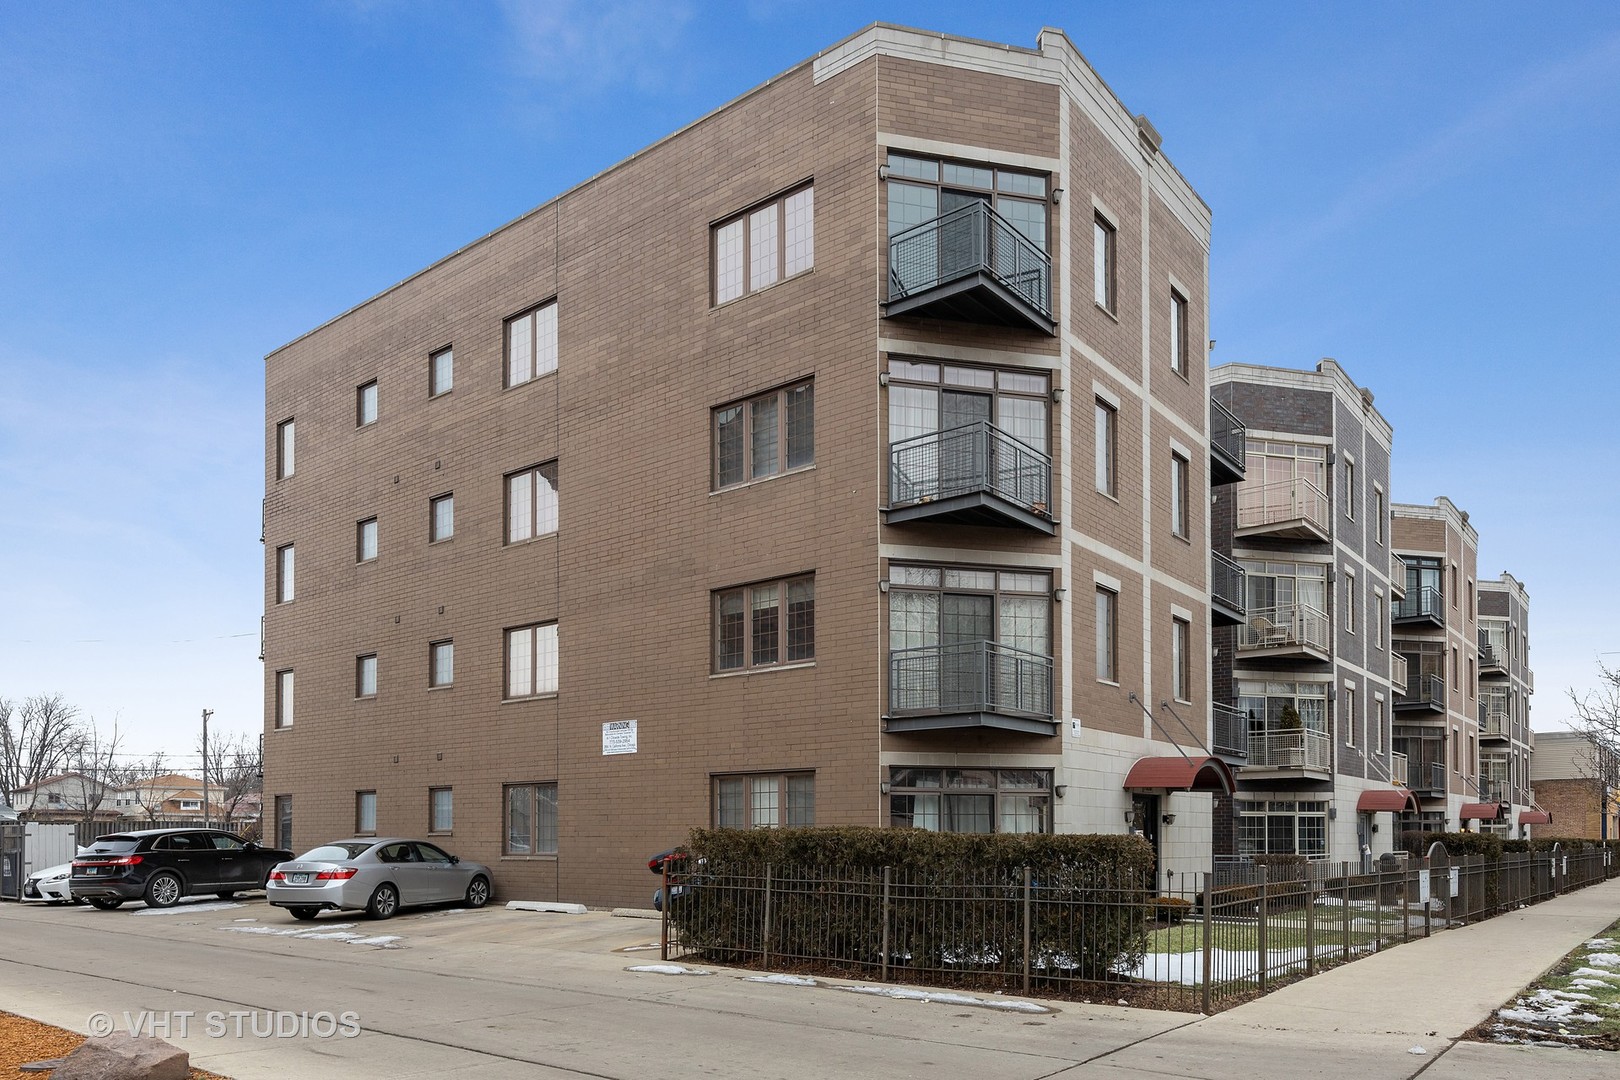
{"x": 162, "y": 865}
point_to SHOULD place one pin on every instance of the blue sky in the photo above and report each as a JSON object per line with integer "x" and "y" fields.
{"x": 1426, "y": 192}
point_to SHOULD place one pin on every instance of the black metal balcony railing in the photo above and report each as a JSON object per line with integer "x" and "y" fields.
{"x": 1228, "y": 436}
{"x": 1227, "y": 582}
{"x": 966, "y": 460}
{"x": 1424, "y": 603}
{"x": 1426, "y": 776}
{"x": 1230, "y": 731}
{"x": 1424, "y": 690}
{"x": 1496, "y": 791}
{"x": 973, "y": 676}
{"x": 971, "y": 239}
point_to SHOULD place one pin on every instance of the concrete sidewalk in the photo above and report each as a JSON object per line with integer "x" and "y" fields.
{"x": 1363, "y": 1020}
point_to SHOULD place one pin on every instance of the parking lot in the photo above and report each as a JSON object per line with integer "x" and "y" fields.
{"x": 491, "y": 993}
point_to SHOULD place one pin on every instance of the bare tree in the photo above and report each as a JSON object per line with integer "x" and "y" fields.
{"x": 39, "y": 738}
{"x": 1597, "y": 718}
{"x": 95, "y": 770}
{"x": 235, "y": 772}
{"x": 143, "y": 778}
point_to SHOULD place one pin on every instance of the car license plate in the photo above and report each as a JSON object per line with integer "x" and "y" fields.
{"x": 298, "y": 879}
{"x": 91, "y": 871}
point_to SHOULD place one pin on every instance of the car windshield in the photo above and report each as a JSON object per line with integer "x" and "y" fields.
{"x": 335, "y": 852}
{"x": 113, "y": 845}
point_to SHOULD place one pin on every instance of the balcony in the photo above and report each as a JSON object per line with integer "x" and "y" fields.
{"x": 1399, "y": 771}
{"x": 1423, "y": 693}
{"x": 1426, "y": 606}
{"x": 1426, "y": 777}
{"x": 1228, "y": 442}
{"x": 1495, "y": 721}
{"x": 1293, "y": 509}
{"x": 1309, "y": 751}
{"x": 1397, "y": 577}
{"x": 1491, "y": 660}
{"x": 1397, "y": 672}
{"x": 971, "y": 265}
{"x": 1495, "y": 789}
{"x": 1288, "y": 631}
{"x": 973, "y": 684}
{"x": 1229, "y": 733}
{"x": 975, "y": 474}
{"x": 1227, "y": 587}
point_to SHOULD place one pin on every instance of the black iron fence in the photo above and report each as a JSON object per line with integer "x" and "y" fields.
{"x": 1233, "y": 936}
{"x": 970, "y": 459}
{"x": 971, "y": 239}
{"x": 970, "y": 676}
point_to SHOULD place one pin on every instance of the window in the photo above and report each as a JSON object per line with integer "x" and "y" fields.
{"x": 765, "y": 435}
{"x": 1470, "y": 594}
{"x": 441, "y": 518}
{"x": 365, "y": 404}
{"x": 1181, "y": 659}
{"x": 762, "y": 246}
{"x": 1102, "y": 264}
{"x": 1456, "y": 670}
{"x": 1377, "y": 620}
{"x": 1349, "y": 603}
{"x": 531, "y": 344}
{"x": 1290, "y": 595}
{"x": 1378, "y": 729}
{"x": 1454, "y": 589}
{"x": 922, "y": 189}
{"x": 284, "y": 449}
{"x": 365, "y": 540}
{"x": 1107, "y": 442}
{"x": 964, "y": 639}
{"x": 1178, "y": 333}
{"x": 971, "y": 800}
{"x": 284, "y": 698}
{"x": 365, "y": 812}
{"x": 944, "y": 417}
{"x": 531, "y": 819}
{"x": 190, "y": 804}
{"x": 1471, "y": 681}
{"x": 441, "y": 372}
{"x": 1349, "y": 700}
{"x": 765, "y": 801}
{"x": 1282, "y": 828}
{"x": 1267, "y": 705}
{"x": 531, "y": 503}
{"x": 441, "y": 810}
{"x": 441, "y": 663}
{"x": 750, "y": 632}
{"x": 1180, "y": 493}
{"x": 1284, "y": 480}
{"x": 1349, "y": 487}
{"x": 1107, "y": 634}
{"x": 365, "y": 676}
{"x": 284, "y": 574}
{"x": 531, "y": 660}
{"x": 1378, "y": 514}
{"x": 284, "y": 822}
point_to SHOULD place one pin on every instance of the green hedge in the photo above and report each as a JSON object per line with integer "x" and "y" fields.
{"x": 1456, "y": 843}
{"x": 955, "y": 903}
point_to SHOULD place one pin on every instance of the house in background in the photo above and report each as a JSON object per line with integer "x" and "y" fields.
{"x": 1577, "y": 783}
{"x": 64, "y": 797}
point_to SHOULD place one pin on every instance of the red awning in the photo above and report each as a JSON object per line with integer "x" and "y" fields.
{"x": 1534, "y": 817}
{"x": 1395, "y": 800}
{"x": 1180, "y": 774}
{"x": 1481, "y": 811}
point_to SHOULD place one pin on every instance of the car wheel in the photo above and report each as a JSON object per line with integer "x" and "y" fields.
{"x": 304, "y": 914}
{"x": 478, "y": 892}
{"x": 226, "y": 895}
{"x": 163, "y": 890}
{"x": 104, "y": 903}
{"x": 384, "y": 902}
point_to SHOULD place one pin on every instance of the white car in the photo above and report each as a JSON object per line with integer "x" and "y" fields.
{"x": 49, "y": 885}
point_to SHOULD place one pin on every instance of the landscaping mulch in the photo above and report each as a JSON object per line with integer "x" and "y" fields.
{"x": 24, "y": 1041}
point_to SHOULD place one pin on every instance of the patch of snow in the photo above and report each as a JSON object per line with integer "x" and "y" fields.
{"x": 1188, "y": 968}
{"x": 1417, "y": 1050}
{"x": 245, "y": 920}
{"x": 904, "y": 994}
{"x": 381, "y": 941}
{"x": 323, "y": 932}
{"x": 186, "y": 909}
{"x": 1602, "y": 943}
{"x": 782, "y": 980}
{"x": 1604, "y": 959}
{"x": 667, "y": 969}
{"x": 1591, "y": 984}
{"x": 543, "y": 905}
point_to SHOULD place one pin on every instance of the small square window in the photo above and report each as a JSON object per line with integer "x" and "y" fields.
{"x": 441, "y": 518}
{"x": 366, "y": 404}
{"x": 441, "y": 372}
{"x": 366, "y": 540}
{"x": 441, "y": 663}
{"x": 365, "y": 676}
{"x": 441, "y": 810}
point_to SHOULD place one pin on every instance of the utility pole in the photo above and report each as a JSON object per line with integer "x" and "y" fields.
{"x": 206, "y": 714}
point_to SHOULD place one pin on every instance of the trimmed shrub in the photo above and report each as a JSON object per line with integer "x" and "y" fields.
{"x": 1515, "y": 847}
{"x": 1456, "y": 843}
{"x": 1170, "y": 910}
{"x": 1282, "y": 867}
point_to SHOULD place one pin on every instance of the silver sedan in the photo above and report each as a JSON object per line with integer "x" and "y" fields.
{"x": 377, "y": 876}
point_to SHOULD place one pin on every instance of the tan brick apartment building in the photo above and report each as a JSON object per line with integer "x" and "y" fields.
{"x": 1506, "y": 683}
{"x": 841, "y": 458}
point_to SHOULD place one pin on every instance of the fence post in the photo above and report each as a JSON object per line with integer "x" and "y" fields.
{"x": 1428, "y": 905}
{"x": 1208, "y": 948}
{"x": 765, "y": 930}
{"x": 1260, "y": 960}
{"x": 1346, "y": 910}
{"x": 887, "y": 871}
{"x": 663, "y": 916}
{"x": 1027, "y": 934}
{"x": 1378, "y": 907}
{"x": 1310, "y": 926}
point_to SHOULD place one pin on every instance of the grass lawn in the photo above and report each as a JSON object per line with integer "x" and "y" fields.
{"x": 1282, "y": 932}
{"x": 1576, "y": 1004}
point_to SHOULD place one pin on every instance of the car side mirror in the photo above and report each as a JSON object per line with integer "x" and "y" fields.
{"x": 454, "y": 859}
{"x": 252, "y": 845}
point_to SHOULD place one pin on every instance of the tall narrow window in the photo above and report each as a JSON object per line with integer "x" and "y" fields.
{"x": 1456, "y": 670}
{"x": 365, "y": 812}
{"x": 1181, "y": 659}
{"x": 441, "y": 810}
{"x": 531, "y": 503}
{"x": 1376, "y": 619}
{"x": 365, "y": 540}
{"x": 441, "y": 518}
{"x": 1350, "y": 488}
{"x": 531, "y": 660}
{"x": 1378, "y": 514}
{"x": 762, "y": 246}
{"x": 1350, "y": 717}
{"x": 531, "y": 344}
{"x": 284, "y": 449}
{"x": 284, "y": 698}
{"x": 1107, "y": 441}
{"x": 284, "y": 574}
{"x": 1102, "y": 264}
{"x": 1180, "y": 493}
{"x": 365, "y": 404}
{"x": 441, "y": 663}
{"x": 1107, "y": 634}
{"x": 1350, "y": 603}
{"x": 365, "y": 676}
{"x": 284, "y": 822}
{"x": 441, "y": 372}
{"x": 1178, "y": 333}
{"x": 1378, "y": 729}
{"x": 764, "y": 436}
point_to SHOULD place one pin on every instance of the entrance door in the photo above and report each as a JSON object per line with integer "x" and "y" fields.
{"x": 962, "y": 460}
{"x": 1364, "y": 841}
{"x": 1146, "y": 808}
{"x": 965, "y": 620}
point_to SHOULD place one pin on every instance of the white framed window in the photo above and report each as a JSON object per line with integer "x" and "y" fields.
{"x": 441, "y": 517}
{"x": 190, "y": 804}
{"x": 971, "y": 800}
{"x": 1181, "y": 658}
{"x": 284, "y": 698}
{"x": 1379, "y": 722}
{"x": 1107, "y": 441}
{"x": 1350, "y": 487}
{"x": 441, "y": 810}
{"x": 531, "y": 344}
{"x": 365, "y": 540}
{"x": 1349, "y": 603}
{"x": 285, "y": 590}
{"x": 365, "y": 404}
{"x": 1178, "y": 333}
{"x": 1103, "y": 237}
{"x": 1107, "y": 634}
{"x": 365, "y": 676}
{"x": 764, "y": 245}
{"x": 1282, "y": 827}
{"x": 531, "y": 660}
{"x": 285, "y": 445}
{"x": 441, "y": 372}
{"x": 1180, "y": 495}
{"x": 365, "y": 812}
{"x": 441, "y": 663}
{"x": 1376, "y": 620}
{"x": 531, "y": 503}
{"x": 1348, "y": 697}
{"x": 1378, "y": 514}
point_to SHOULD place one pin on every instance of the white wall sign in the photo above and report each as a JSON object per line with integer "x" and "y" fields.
{"x": 618, "y": 737}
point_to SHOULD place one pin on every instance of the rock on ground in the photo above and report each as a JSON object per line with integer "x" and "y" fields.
{"x": 124, "y": 1057}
